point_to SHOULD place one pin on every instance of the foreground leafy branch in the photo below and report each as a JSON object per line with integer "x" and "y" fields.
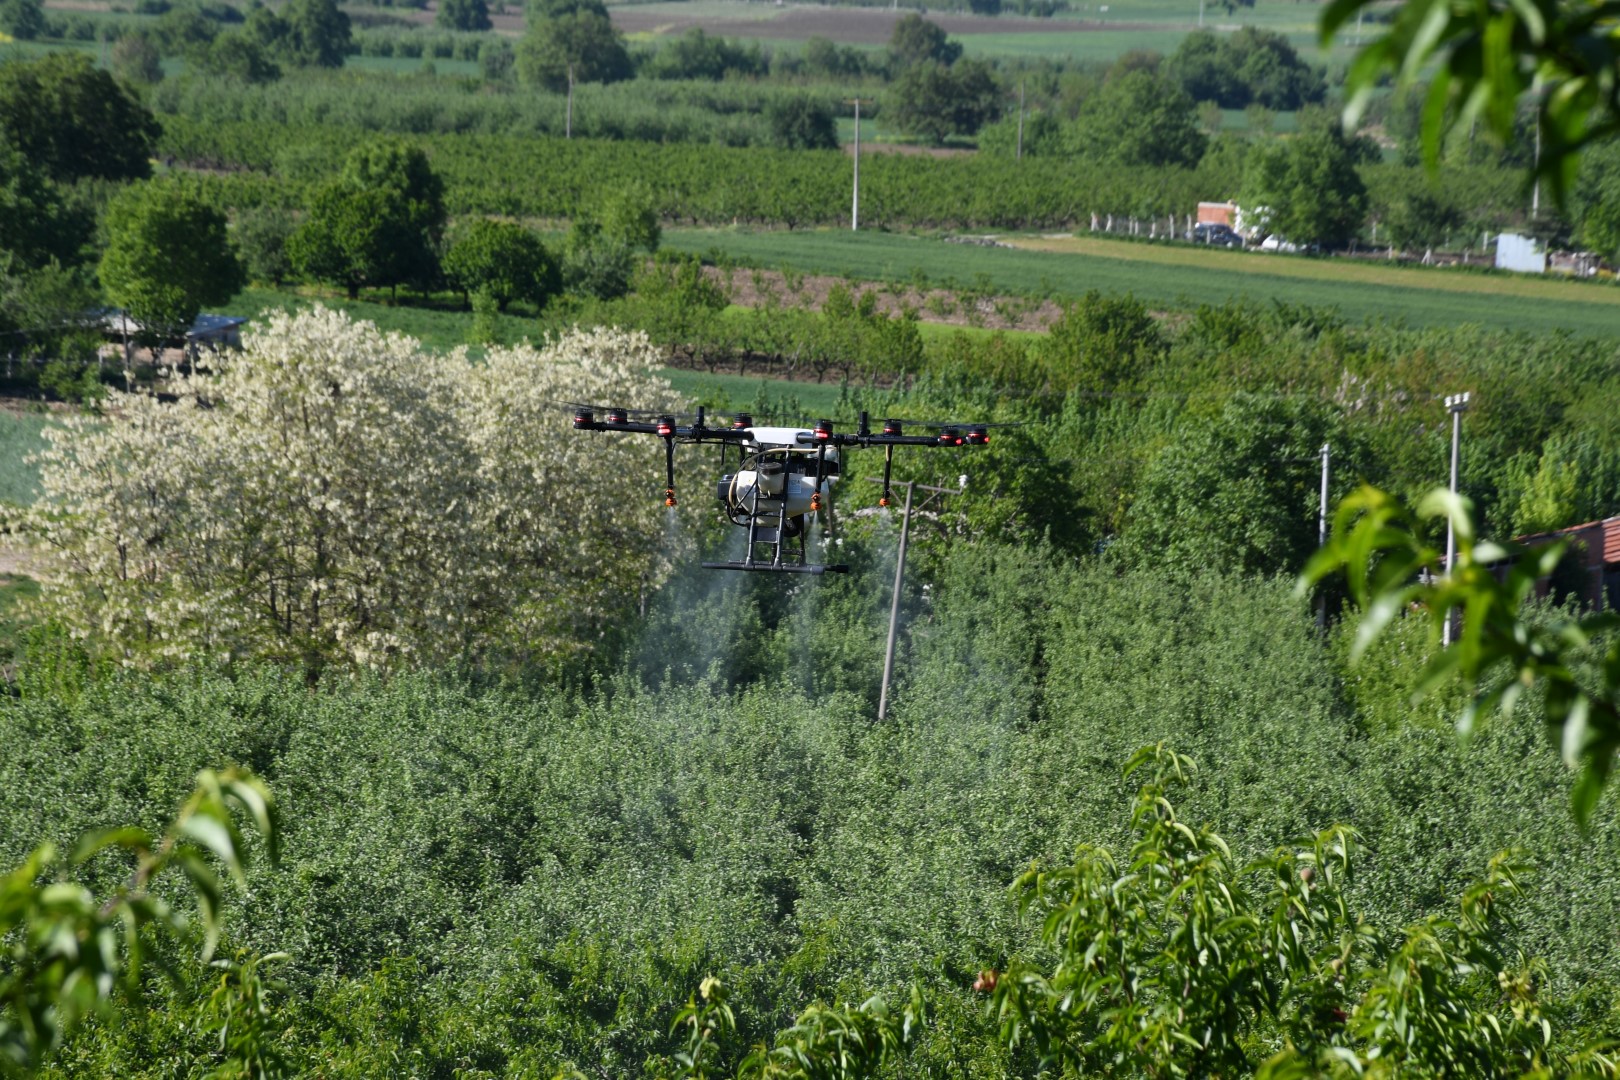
{"x": 1179, "y": 962}
{"x": 1491, "y": 55}
{"x": 825, "y": 1043}
{"x": 1498, "y": 654}
{"x": 68, "y": 955}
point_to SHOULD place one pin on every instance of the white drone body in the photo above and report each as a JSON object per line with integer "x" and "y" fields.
{"x": 776, "y": 480}
{"x": 783, "y": 474}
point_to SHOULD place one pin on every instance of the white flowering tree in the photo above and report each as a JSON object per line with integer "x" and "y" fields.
{"x": 575, "y": 520}
{"x": 337, "y": 495}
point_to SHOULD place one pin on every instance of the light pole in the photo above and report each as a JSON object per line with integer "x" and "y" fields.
{"x": 1456, "y": 404}
{"x": 1019, "y": 156}
{"x": 1322, "y": 530}
{"x": 855, "y": 204}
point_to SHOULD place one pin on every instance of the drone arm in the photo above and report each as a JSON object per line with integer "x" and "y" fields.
{"x": 669, "y": 470}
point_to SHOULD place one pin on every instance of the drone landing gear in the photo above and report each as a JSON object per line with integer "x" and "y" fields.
{"x": 778, "y": 568}
{"x": 777, "y": 545}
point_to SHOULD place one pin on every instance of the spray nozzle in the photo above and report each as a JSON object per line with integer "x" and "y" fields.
{"x": 669, "y": 496}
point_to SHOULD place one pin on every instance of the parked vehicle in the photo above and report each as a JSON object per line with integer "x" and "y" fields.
{"x": 1215, "y": 235}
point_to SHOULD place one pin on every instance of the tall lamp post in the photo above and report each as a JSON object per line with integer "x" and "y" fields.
{"x": 1456, "y": 404}
{"x": 855, "y": 203}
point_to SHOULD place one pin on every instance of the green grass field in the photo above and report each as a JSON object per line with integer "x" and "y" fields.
{"x": 19, "y": 437}
{"x": 769, "y": 397}
{"x": 435, "y": 328}
{"x": 1173, "y": 276}
{"x": 1093, "y": 31}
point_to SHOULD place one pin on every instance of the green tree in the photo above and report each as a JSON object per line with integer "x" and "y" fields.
{"x": 1597, "y": 197}
{"x": 503, "y": 262}
{"x": 582, "y": 46}
{"x": 1571, "y": 478}
{"x": 1043, "y": 136}
{"x": 37, "y": 225}
{"x": 1204, "y": 68}
{"x": 801, "y": 122}
{"x": 1101, "y": 344}
{"x": 470, "y": 15}
{"x": 630, "y": 217}
{"x": 318, "y": 34}
{"x": 239, "y": 55}
{"x": 1422, "y": 219}
{"x": 696, "y": 55}
{"x": 73, "y": 119}
{"x": 937, "y": 101}
{"x": 261, "y": 236}
{"x": 1310, "y": 185}
{"x": 1143, "y": 118}
{"x": 1237, "y": 491}
{"x": 135, "y": 60}
{"x": 45, "y": 313}
{"x": 915, "y": 40}
{"x": 378, "y": 223}
{"x": 185, "y": 30}
{"x": 168, "y": 254}
{"x": 22, "y": 19}
{"x": 595, "y": 264}
{"x": 270, "y": 31}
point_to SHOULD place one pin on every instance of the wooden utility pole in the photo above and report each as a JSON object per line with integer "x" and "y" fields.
{"x": 894, "y": 605}
{"x": 899, "y": 580}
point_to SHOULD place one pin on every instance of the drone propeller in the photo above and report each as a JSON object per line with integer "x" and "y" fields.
{"x": 910, "y": 422}
{"x": 627, "y": 413}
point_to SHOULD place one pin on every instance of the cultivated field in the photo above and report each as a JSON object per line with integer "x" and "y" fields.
{"x": 1094, "y": 31}
{"x": 1177, "y": 276}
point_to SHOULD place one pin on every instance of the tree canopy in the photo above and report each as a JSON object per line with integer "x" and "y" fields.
{"x": 1251, "y": 66}
{"x": 23, "y": 20}
{"x": 468, "y": 15}
{"x": 582, "y": 45}
{"x": 936, "y": 101}
{"x": 915, "y": 40}
{"x": 74, "y": 120}
{"x": 317, "y": 34}
{"x": 378, "y": 222}
{"x": 1310, "y": 185}
{"x": 350, "y": 499}
{"x": 168, "y": 254}
{"x": 37, "y": 224}
{"x": 505, "y": 261}
{"x": 1141, "y": 118}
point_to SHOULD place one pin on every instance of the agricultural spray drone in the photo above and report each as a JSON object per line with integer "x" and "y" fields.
{"x": 782, "y": 473}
